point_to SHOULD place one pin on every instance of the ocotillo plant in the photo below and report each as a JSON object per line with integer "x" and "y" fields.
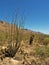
{"x": 13, "y": 47}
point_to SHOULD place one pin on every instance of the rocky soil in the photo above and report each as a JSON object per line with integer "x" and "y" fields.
{"x": 27, "y": 55}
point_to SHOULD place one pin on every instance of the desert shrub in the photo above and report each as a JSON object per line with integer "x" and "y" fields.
{"x": 40, "y": 52}
{"x": 46, "y": 41}
{"x": 31, "y": 39}
{"x": 37, "y": 50}
{"x": 47, "y": 51}
{"x": 38, "y": 38}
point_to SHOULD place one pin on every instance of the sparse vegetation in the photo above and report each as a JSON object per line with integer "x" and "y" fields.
{"x": 34, "y": 48}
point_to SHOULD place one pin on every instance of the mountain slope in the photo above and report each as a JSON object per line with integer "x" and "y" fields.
{"x": 34, "y": 48}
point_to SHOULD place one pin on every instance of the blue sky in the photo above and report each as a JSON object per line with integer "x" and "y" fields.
{"x": 35, "y": 11}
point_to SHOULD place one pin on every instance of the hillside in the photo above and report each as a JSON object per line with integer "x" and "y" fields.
{"x": 34, "y": 48}
{"x": 6, "y": 31}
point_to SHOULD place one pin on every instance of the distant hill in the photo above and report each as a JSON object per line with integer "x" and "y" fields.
{"x": 8, "y": 31}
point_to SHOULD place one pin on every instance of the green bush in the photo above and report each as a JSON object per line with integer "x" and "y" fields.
{"x": 46, "y": 41}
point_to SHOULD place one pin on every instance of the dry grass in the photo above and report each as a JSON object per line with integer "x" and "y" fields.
{"x": 35, "y": 54}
